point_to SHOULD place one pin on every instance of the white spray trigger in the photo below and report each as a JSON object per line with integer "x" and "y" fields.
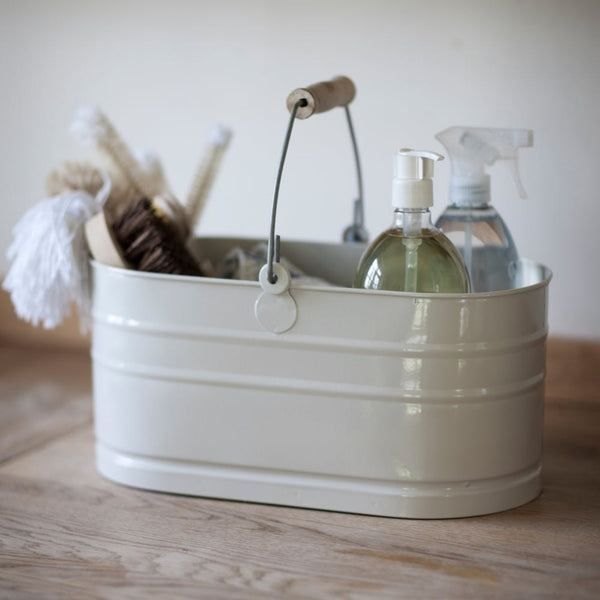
{"x": 471, "y": 149}
{"x": 513, "y": 165}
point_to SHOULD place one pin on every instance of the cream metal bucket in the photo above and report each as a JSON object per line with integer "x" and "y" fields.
{"x": 383, "y": 403}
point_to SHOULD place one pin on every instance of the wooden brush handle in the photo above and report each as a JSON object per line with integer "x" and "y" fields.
{"x": 101, "y": 242}
{"x": 322, "y": 96}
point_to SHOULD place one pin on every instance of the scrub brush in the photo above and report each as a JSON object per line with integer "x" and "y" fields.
{"x": 148, "y": 233}
{"x": 143, "y": 242}
{"x": 152, "y": 234}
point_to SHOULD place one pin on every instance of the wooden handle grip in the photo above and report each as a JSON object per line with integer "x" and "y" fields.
{"x": 322, "y": 96}
{"x": 101, "y": 242}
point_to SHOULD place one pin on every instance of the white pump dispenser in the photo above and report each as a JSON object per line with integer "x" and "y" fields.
{"x": 412, "y": 186}
{"x": 472, "y": 224}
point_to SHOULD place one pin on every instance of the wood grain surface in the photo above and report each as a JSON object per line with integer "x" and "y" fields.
{"x": 65, "y": 532}
{"x": 43, "y": 394}
{"x": 17, "y": 331}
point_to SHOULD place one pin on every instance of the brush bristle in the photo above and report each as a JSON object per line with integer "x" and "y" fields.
{"x": 149, "y": 244}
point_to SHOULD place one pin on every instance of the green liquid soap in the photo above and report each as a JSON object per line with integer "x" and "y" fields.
{"x": 427, "y": 262}
{"x": 413, "y": 255}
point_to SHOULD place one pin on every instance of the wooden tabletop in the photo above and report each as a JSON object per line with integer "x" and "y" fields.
{"x": 66, "y": 532}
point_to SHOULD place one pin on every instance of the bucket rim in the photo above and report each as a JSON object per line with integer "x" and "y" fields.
{"x": 193, "y": 279}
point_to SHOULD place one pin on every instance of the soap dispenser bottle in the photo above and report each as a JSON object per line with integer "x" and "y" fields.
{"x": 471, "y": 223}
{"x": 412, "y": 255}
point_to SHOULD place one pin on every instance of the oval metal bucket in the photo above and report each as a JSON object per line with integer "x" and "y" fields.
{"x": 384, "y": 403}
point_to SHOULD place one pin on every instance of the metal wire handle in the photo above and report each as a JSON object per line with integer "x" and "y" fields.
{"x": 359, "y": 215}
{"x": 274, "y": 240}
{"x": 273, "y": 247}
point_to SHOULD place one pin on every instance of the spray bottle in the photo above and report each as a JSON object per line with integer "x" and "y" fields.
{"x": 471, "y": 223}
{"x": 412, "y": 255}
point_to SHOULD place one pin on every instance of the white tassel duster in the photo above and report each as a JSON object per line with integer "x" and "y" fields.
{"x": 49, "y": 270}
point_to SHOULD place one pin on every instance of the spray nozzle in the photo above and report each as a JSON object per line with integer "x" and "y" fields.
{"x": 471, "y": 149}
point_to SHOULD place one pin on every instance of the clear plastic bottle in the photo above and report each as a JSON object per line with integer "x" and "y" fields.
{"x": 412, "y": 256}
{"x": 485, "y": 244}
{"x": 470, "y": 222}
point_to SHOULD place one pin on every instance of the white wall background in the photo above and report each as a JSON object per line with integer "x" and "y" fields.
{"x": 165, "y": 71}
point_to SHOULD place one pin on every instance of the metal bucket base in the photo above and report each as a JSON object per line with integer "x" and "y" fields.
{"x": 439, "y": 500}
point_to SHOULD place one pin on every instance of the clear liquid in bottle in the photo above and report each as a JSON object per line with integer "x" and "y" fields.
{"x": 482, "y": 238}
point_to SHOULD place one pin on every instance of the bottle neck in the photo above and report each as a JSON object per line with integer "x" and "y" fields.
{"x": 471, "y": 205}
{"x": 412, "y": 221}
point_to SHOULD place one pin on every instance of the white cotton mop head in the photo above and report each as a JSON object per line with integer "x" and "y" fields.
{"x": 49, "y": 270}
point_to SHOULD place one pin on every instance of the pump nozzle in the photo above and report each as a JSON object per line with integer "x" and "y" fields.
{"x": 412, "y": 185}
{"x": 471, "y": 149}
